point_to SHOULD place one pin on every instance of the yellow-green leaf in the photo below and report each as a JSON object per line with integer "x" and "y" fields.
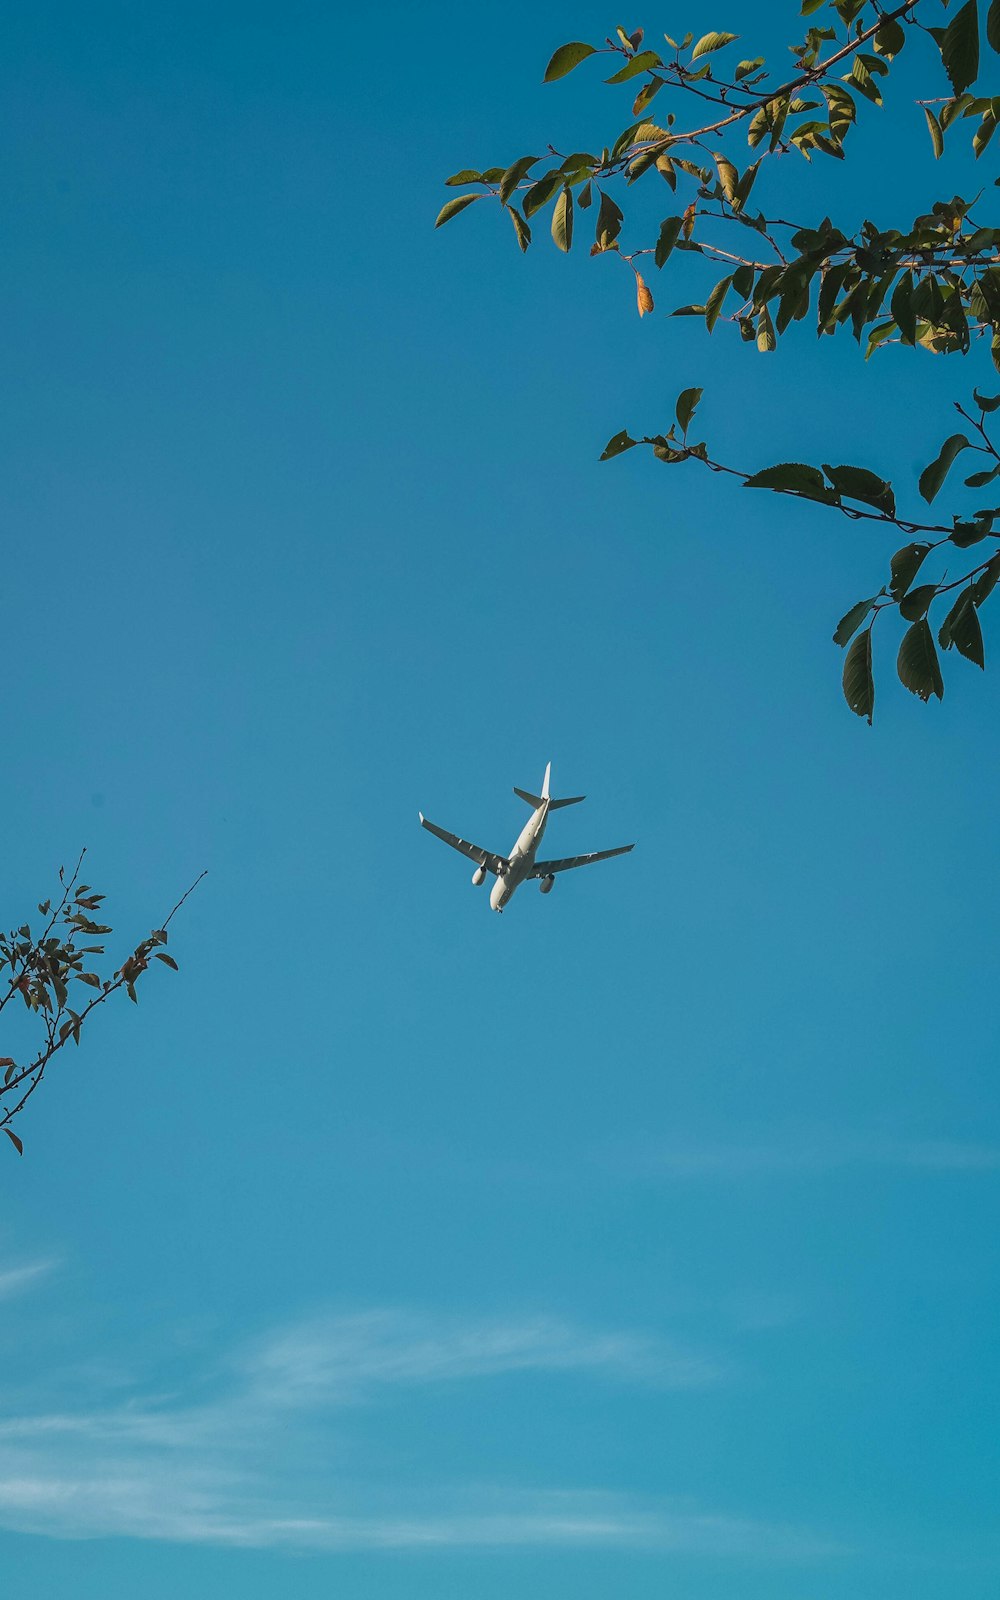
{"x": 451, "y": 208}
{"x": 565, "y": 59}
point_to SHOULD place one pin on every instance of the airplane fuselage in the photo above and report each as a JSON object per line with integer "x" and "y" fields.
{"x": 511, "y": 871}
{"x": 522, "y": 858}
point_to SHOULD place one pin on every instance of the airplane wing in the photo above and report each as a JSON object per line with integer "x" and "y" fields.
{"x": 482, "y": 858}
{"x": 544, "y": 868}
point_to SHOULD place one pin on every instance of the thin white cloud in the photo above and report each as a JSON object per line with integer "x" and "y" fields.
{"x": 276, "y": 1456}
{"x": 18, "y": 1280}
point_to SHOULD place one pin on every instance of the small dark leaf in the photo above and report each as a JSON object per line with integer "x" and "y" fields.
{"x": 616, "y": 446}
{"x": 961, "y": 628}
{"x": 979, "y": 480}
{"x": 904, "y": 567}
{"x": 965, "y": 534}
{"x": 670, "y": 230}
{"x": 15, "y": 1141}
{"x": 792, "y": 477}
{"x": 857, "y": 483}
{"x": 917, "y": 663}
{"x": 565, "y": 59}
{"x": 851, "y": 621}
{"x": 609, "y": 220}
{"x": 167, "y": 960}
{"x": 993, "y": 24}
{"x": 983, "y": 401}
{"x": 859, "y": 680}
{"x": 933, "y": 476}
{"x": 917, "y": 603}
{"x": 687, "y": 404}
{"x": 987, "y": 580}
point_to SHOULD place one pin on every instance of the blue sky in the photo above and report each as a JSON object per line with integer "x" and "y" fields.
{"x": 639, "y": 1241}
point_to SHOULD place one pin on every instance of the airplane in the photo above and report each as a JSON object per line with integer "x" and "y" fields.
{"x": 511, "y": 871}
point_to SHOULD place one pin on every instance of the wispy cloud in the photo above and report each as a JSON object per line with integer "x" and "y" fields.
{"x": 272, "y": 1453}
{"x": 18, "y": 1280}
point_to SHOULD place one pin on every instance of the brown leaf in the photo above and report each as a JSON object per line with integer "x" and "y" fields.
{"x": 687, "y": 222}
{"x": 15, "y": 1141}
{"x": 644, "y": 299}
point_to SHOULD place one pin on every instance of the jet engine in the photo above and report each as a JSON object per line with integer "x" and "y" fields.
{"x": 546, "y": 884}
{"x": 478, "y": 876}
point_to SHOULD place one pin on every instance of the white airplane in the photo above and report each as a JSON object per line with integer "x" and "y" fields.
{"x": 511, "y": 871}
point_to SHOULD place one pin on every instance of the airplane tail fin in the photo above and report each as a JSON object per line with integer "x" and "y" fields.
{"x": 537, "y": 800}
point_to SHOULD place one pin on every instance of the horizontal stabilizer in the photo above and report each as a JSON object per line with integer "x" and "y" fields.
{"x": 537, "y": 800}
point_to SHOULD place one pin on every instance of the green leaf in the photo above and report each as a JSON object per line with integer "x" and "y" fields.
{"x": 904, "y": 567}
{"x": 987, "y": 580}
{"x": 15, "y": 1141}
{"x": 859, "y": 680}
{"x": 979, "y": 480}
{"x": 609, "y": 220}
{"x": 934, "y": 129}
{"x": 961, "y": 629}
{"x": 993, "y": 24}
{"x": 713, "y": 305}
{"x": 467, "y": 175}
{"x": 983, "y": 134}
{"x": 512, "y": 177}
{"x": 890, "y": 39}
{"x": 901, "y": 307}
{"x": 562, "y": 220}
{"x": 983, "y": 401}
{"x": 857, "y": 483}
{"x": 687, "y": 404}
{"x": 792, "y": 477}
{"x": 645, "y": 61}
{"x": 842, "y": 110}
{"x": 521, "y": 228}
{"x": 647, "y": 93}
{"x": 933, "y": 476}
{"x": 851, "y": 621}
{"x": 618, "y": 445}
{"x": 917, "y": 663}
{"x": 451, "y": 208}
{"x": 916, "y": 604}
{"x": 670, "y": 232}
{"x": 540, "y": 192}
{"x": 960, "y": 47}
{"x": 766, "y": 340}
{"x": 565, "y": 59}
{"x": 728, "y": 176}
{"x": 712, "y": 41}
{"x": 745, "y": 68}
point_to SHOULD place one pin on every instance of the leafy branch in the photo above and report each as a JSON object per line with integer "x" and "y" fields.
{"x": 938, "y": 280}
{"x": 861, "y": 495}
{"x": 43, "y": 970}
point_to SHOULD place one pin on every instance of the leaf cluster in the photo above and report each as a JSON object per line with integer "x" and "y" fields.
{"x": 858, "y": 493}
{"x": 56, "y": 974}
{"x": 934, "y": 283}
